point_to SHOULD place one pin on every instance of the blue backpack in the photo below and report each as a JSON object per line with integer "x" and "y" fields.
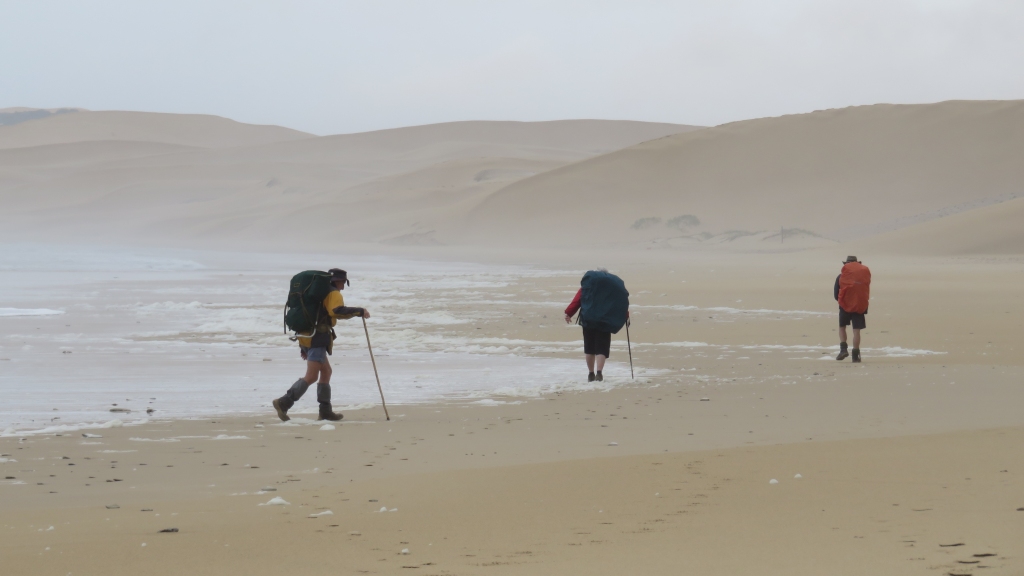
{"x": 604, "y": 302}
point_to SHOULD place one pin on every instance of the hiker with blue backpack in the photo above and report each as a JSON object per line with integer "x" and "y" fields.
{"x": 314, "y": 307}
{"x": 603, "y": 304}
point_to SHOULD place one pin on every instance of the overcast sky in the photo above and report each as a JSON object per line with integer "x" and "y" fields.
{"x": 331, "y": 67}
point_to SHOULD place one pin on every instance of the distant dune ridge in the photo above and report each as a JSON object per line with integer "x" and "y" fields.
{"x": 185, "y": 129}
{"x": 12, "y": 116}
{"x": 934, "y": 178}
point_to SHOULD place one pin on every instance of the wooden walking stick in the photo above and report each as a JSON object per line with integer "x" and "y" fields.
{"x": 630, "y": 348}
{"x": 370, "y": 348}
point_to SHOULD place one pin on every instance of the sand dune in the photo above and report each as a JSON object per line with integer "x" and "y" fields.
{"x": 840, "y": 174}
{"x": 996, "y": 229}
{"x": 264, "y": 192}
{"x": 773, "y": 184}
{"x": 409, "y": 208}
{"x": 185, "y": 129}
{"x": 82, "y": 153}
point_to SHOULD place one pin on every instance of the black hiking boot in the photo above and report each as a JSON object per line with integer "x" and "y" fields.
{"x": 591, "y": 377}
{"x": 327, "y": 413}
{"x": 856, "y": 355}
{"x": 600, "y": 377}
{"x": 842, "y": 351}
{"x": 282, "y": 412}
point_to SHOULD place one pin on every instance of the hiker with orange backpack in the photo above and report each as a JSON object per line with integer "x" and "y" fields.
{"x": 314, "y": 325}
{"x": 852, "y": 291}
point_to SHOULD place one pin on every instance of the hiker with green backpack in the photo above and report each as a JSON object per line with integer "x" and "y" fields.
{"x": 314, "y": 307}
{"x": 603, "y": 304}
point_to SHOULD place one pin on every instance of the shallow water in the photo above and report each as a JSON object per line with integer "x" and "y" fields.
{"x": 199, "y": 334}
{"x": 84, "y": 331}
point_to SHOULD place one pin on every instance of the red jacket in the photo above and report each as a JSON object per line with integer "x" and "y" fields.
{"x": 574, "y": 306}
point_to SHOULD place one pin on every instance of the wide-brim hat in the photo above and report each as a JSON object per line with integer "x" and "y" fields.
{"x": 851, "y": 259}
{"x": 339, "y": 275}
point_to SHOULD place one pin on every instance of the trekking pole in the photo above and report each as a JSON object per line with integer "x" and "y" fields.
{"x": 630, "y": 348}
{"x": 370, "y": 348}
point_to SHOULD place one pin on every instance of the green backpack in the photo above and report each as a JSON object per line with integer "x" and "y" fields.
{"x": 305, "y": 304}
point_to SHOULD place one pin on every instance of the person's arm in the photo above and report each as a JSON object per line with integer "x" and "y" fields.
{"x": 346, "y": 312}
{"x": 837, "y": 288}
{"x": 574, "y": 306}
{"x": 335, "y": 305}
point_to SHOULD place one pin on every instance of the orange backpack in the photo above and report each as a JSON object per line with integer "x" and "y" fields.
{"x": 854, "y": 288}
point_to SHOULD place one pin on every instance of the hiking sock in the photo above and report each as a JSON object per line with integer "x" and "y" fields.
{"x": 323, "y": 393}
{"x": 323, "y": 396}
{"x": 591, "y": 377}
{"x": 283, "y": 404}
{"x": 295, "y": 392}
{"x": 843, "y": 353}
{"x": 600, "y": 377}
{"x": 327, "y": 413}
{"x": 856, "y": 354}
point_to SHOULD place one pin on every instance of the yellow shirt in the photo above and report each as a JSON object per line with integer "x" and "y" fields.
{"x": 332, "y": 301}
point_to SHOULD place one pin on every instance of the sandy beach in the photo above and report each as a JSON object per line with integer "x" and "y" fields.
{"x": 915, "y": 504}
{"x": 743, "y": 448}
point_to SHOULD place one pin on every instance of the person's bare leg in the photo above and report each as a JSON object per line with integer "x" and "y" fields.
{"x": 590, "y": 363}
{"x": 312, "y": 372}
{"x": 842, "y": 334}
{"x": 325, "y": 371}
{"x": 600, "y": 367}
{"x": 843, "y": 353}
{"x": 856, "y": 338}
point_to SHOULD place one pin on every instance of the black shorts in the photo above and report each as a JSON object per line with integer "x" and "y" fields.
{"x": 847, "y": 318}
{"x": 597, "y": 342}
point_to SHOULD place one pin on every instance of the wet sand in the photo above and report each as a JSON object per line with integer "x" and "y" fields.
{"x": 602, "y": 482}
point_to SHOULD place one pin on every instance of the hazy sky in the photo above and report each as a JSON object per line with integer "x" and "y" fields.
{"x": 329, "y": 67}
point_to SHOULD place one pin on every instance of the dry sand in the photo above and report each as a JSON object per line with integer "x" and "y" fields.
{"x": 465, "y": 494}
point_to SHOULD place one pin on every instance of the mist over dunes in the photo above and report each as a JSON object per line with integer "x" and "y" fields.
{"x": 892, "y": 174}
{"x": 191, "y": 179}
